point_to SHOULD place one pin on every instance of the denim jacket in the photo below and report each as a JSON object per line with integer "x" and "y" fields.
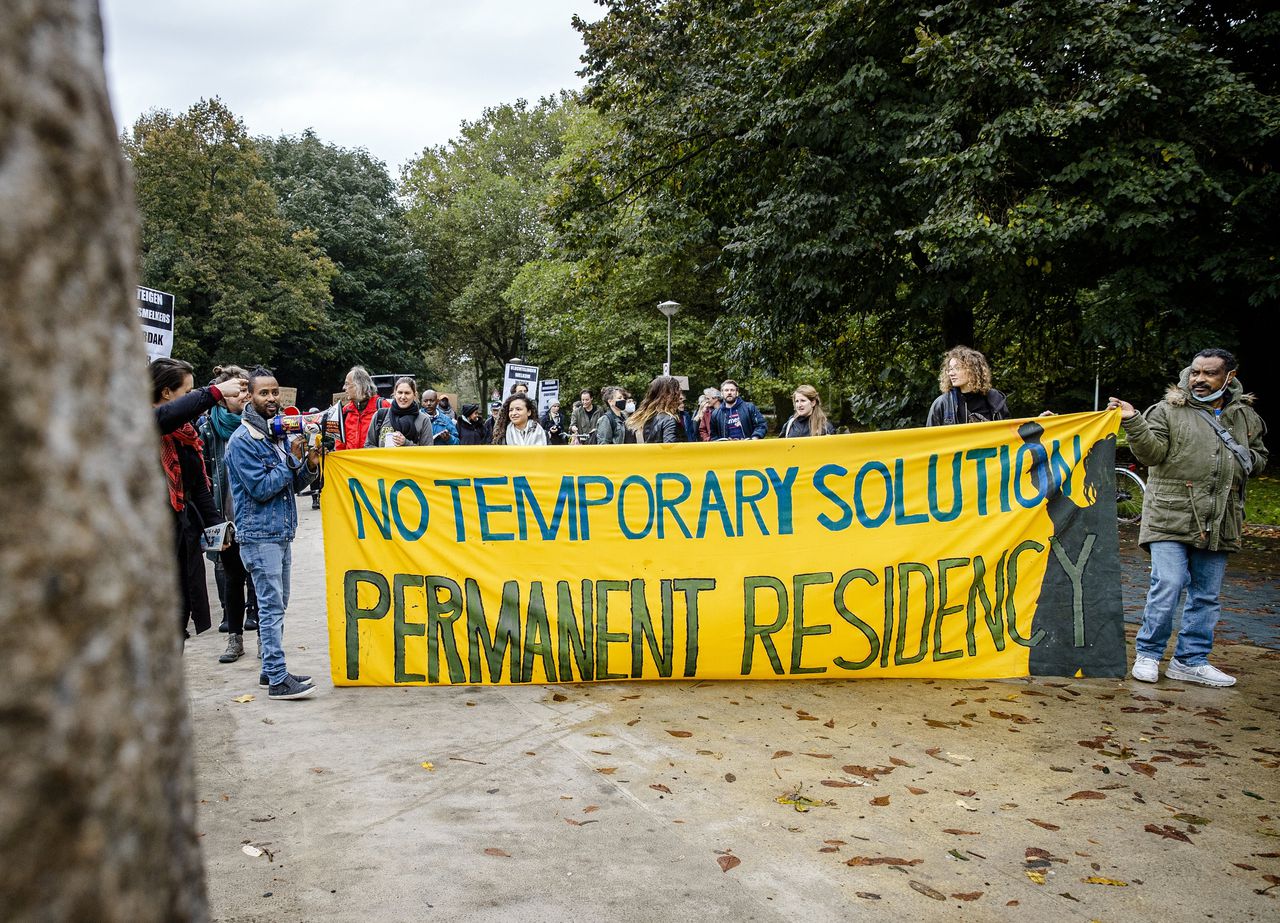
{"x": 263, "y": 480}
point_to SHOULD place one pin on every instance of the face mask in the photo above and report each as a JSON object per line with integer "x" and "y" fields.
{"x": 631, "y": 407}
{"x": 1210, "y": 398}
{"x": 619, "y": 404}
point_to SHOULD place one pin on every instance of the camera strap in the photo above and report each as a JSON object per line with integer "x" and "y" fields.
{"x": 1240, "y": 452}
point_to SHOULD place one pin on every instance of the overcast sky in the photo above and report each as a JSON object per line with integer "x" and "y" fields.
{"x": 393, "y": 76}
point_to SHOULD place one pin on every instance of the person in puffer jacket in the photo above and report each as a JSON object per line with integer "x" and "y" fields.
{"x": 1202, "y": 444}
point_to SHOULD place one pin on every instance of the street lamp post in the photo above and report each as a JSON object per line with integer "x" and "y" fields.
{"x": 669, "y": 308}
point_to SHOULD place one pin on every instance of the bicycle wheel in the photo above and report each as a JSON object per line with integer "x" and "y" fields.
{"x": 1130, "y": 490}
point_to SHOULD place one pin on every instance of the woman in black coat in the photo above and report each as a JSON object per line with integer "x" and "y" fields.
{"x": 177, "y": 405}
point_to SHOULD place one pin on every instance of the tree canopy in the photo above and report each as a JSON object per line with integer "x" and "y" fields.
{"x": 1035, "y": 178}
{"x": 246, "y": 283}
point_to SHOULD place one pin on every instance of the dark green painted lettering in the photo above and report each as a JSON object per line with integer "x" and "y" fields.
{"x": 353, "y": 613}
{"x": 842, "y": 608}
{"x": 905, "y": 570}
{"x": 799, "y": 630}
{"x": 944, "y": 610}
{"x": 402, "y": 627}
{"x": 753, "y": 630}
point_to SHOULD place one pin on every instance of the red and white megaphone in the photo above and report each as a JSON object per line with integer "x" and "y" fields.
{"x": 292, "y": 422}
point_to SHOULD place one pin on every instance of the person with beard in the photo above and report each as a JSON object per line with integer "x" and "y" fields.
{"x": 235, "y": 589}
{"x": 265, "y": 473}
{"x": 357, "y": 413}
{"x": 470, "y": 426}
{"x": 403, "y": 423}
{"x": 443, "y": 427}
{"x": 1202, "y": 442}
{"x": 177, "y": 405}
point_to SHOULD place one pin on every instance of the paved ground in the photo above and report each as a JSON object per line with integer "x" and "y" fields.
{"x": 1024, "y": 799}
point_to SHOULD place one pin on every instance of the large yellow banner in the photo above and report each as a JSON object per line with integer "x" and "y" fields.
{"x": 986, "y": 550}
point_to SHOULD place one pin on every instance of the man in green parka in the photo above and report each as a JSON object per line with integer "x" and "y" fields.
{"x": 1202, "y": 443}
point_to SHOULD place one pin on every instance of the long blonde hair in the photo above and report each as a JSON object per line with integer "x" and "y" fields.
{"x": 817, "y": 419}
{"x": 663, "y": 396}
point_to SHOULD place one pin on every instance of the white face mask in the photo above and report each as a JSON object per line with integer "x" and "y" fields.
{"x": 631, "y": 407}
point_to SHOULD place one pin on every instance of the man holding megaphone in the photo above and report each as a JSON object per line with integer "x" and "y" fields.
{"x": 265, "y": 470}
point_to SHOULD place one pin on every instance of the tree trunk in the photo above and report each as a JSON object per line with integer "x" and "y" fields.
{"x": 97, "y": 813}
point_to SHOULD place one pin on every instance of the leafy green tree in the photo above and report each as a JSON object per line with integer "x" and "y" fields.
{"x": 379, "y": 316}
{"x": 1037, "y": 179}
{"x": 591, "y": 301}
{"x": 247, "y": 284}
{"x": 474, "y": 208}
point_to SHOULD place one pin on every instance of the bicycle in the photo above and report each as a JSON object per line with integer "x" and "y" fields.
{"x": 1130, "y": 491}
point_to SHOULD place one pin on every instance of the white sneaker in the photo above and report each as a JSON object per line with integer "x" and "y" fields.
{"x": 1146, "y": 669}
{"x": 1206, "y": 674}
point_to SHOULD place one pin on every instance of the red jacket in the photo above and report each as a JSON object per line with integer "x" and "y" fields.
{"x": 353, "y": 423}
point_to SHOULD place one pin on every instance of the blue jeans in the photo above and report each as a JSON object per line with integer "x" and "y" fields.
{"x": 268, "y": 564}
{"x": 1176, "y": 566}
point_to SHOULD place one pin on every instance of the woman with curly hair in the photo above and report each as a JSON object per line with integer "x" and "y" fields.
{"x": 967, "y": 395}
{"x": 808, "y": 420}
{"x": 518, "y": 422}
{"x": 657, "y": 419}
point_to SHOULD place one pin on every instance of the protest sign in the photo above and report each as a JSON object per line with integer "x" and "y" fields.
{"x": 155, "y": 314}
{"x": 986, "y": 550}
{"x": 514, "y": 374}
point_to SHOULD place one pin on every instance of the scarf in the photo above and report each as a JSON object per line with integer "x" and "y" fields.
{"x": 223, "y": 421}
{"x": 185, "y": 435}
{"x": 404, "y": 420}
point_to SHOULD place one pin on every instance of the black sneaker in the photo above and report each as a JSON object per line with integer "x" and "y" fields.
{"x": 263, "y": 680}
{"x": 291, "y": 688}
{"x": 225, "y": 627}
{"x": 251, "y": 623}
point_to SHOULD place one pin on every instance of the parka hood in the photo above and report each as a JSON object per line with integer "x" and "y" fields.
{"x": 1179, "y": 395}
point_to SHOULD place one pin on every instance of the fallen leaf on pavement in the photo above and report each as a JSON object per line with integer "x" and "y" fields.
{"x": 1191, "y": 819}
{"x": 800, "y": 802}
{"x": 429, "y": 767}
{"x": 1145, "y": 768}
{"x": 680, "y": 733}
{"x": 927, "y": 891}
{"x": 1086, "y": 796}
{"x": 880, "y": 801}
{"x": 955, "y": 832}
{"x": 1036, "y": 877}
{"x": 1167, "y": 832}
{"x": 499, "y": 853}
{"x": 867, "y": 772}
{"x": 779, "y": 754}
{"x": 967, "y": 807}
{"x": 660, "y": 788}
{"x": 967, "y": 896}
{"x": 728, "y": 862}
{"x": 243, "y": 698}
{"x": 1044, "y": 824}
{"x": 868, "y": 895}
{"x": 1114, "y": 882}
{"x": 839, "y": 783}
{"x": 607, "y": 770}
{"x": 882, "y": 860}
{"x": 917, "y": 791}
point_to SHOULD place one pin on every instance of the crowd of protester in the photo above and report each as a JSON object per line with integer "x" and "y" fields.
{"x": 198, "y": 426}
